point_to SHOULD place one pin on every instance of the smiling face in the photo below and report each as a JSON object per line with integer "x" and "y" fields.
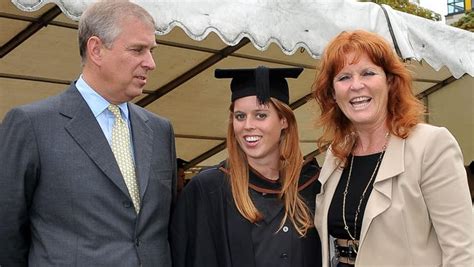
{"x": 361, "y": 92}
{"x": 257, "y": 129}
{"x": 125, "y": 64}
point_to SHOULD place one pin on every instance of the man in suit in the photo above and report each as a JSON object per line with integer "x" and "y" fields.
{"x": 86, "y": 177}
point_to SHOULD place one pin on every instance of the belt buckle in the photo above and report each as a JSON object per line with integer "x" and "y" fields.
{"x": 353, "y": 246}
{"x": 351, "y": 251}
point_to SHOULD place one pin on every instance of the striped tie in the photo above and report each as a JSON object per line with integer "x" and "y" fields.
{"x": 122, "y": 152}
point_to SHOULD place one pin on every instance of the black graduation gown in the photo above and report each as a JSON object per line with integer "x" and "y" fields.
{"x": 208, "y": 231}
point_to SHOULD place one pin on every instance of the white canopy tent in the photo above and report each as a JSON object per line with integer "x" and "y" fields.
{"x": 294, "y": 24}
{"x": 195, "y": 37}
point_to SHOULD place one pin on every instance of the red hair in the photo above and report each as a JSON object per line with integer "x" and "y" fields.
{"x": 404, "y": 110}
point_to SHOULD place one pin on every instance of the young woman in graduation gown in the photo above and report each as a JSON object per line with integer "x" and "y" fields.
{"x": 254, "y": 209}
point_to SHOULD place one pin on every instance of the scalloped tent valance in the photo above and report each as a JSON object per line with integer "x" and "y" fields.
{"x": 294, "y": 24}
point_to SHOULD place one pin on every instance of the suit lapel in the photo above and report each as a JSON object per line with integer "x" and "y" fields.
{"x": 142, "y": 138}
{"x": 329, "y": 166}
{"x": 381, "y": 197}
{"x": 85, "y": 130}
{"x": 329, "y": 178}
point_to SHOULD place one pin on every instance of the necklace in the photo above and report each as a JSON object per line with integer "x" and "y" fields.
{"x": 355, "y": 246}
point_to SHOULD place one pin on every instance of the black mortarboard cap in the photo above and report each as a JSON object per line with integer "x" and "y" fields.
{"x": 263, "y": 82}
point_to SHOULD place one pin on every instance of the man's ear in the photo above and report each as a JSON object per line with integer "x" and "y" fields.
{"x": 94, "y": 50}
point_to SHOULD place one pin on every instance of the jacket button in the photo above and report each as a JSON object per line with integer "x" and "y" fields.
{"x": 284, "y": 256}
{"x": 285, "y": 229}
{"x": 137, "y": 242}
{"x": 127, "y": 204}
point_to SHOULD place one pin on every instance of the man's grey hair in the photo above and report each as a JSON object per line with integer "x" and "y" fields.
{"x": 103, "y": 19}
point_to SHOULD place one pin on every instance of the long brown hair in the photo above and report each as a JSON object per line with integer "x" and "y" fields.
{"x": 291, "y": 160}
{"x": 404, "y": 110}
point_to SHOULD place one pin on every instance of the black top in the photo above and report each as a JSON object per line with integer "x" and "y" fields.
{"x": 361, "y": 173}
{"x": 208, "y": 231}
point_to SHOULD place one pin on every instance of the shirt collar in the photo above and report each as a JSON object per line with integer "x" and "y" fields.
{"x": 95, "y": 101}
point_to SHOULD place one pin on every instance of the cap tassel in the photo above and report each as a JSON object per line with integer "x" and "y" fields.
{"x": 262, "y": 77}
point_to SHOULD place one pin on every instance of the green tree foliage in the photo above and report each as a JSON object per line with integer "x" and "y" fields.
{"x": 407, "y": 7}
{"x": 466, "y": 22}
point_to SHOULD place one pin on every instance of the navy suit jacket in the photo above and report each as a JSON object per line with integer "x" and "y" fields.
{"x": 64, "y": 200}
